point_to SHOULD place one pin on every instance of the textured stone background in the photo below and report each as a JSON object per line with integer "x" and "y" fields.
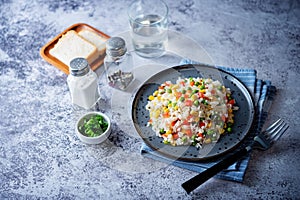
{"x": 40, "y": 156}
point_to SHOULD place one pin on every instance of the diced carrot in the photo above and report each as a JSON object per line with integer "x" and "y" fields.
{"x": 185, "y": 122}
{"x": 167, "y": 84}
{"x": 223, "y": 118}
{"x": 189, "y": 117}
{"x": 188, "y": 132}
{"x": 200, "y": 135}
{"x": 188, "y": 102}
{"x": 201, "y": 95}
{"x": 178, "y": 95}
{"x": 166, "y": 114}
{"x": 175, "y": 136}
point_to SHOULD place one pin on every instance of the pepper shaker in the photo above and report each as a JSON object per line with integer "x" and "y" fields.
{"x": 118, "y": 64}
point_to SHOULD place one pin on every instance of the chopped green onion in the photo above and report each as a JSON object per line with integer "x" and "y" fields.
{"x": 94, "y": 126}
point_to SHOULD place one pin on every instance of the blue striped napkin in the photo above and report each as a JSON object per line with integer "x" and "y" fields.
{"x": 263, "y": 94}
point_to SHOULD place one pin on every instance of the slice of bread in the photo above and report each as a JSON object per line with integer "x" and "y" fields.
{"x": 71, "y": 46}
{"x": 95, "y": 39}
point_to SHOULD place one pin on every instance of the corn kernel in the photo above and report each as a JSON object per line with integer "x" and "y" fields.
{"x": 221, "y": 130}
{"x": 194, "y": 97}
{"x": 231, "y": 121}
{"x": 157, "y": 113}
{"x": 209, "y": 125}
{"x": 207, "y": 141}
{"x": 151, "y": 98}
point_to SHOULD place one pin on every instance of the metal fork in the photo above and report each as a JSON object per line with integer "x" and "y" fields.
{"x": 262, "y": 141}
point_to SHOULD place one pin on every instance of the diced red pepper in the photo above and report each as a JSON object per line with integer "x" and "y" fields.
{"x": 232, "y": 102}
{"x": 201, "y": 124}
{"x": 174, "y": 122}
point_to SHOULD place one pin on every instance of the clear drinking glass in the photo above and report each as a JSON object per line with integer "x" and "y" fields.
{"x": 149, "y": 27}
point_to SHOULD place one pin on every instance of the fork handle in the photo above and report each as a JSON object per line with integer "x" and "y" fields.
{"x": 197, "y": 180}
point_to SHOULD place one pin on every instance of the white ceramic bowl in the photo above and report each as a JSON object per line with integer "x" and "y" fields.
{"x": 93, "y": 140}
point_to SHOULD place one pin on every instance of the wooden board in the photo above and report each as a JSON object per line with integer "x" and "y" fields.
{"x": 44, "y": 52}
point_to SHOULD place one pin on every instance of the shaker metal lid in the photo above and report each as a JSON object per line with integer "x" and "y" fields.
{"x": 116, "y": 46}
{"x": 79, "y": 67}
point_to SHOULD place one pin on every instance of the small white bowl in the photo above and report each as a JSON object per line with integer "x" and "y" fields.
{"x": 93, "y": 140}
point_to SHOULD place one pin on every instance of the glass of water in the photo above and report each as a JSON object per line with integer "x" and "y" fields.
{"x": 149, "y": 27}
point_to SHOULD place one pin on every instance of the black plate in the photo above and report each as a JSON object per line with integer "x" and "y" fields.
{"x": 243, "y": 117}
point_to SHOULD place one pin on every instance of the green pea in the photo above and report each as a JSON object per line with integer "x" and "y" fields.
{"x": 195, "y": 91}
{"x": 196, "y": 103}
{"x": 210, "y": 132}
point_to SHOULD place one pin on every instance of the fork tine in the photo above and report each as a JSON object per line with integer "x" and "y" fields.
{"x": 273, "y": 126}
{"x": 275, "y": 136}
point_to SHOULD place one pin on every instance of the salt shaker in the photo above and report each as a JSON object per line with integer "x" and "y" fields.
{"x": 118, "y": 64}
{"x": 83, "y": 84}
